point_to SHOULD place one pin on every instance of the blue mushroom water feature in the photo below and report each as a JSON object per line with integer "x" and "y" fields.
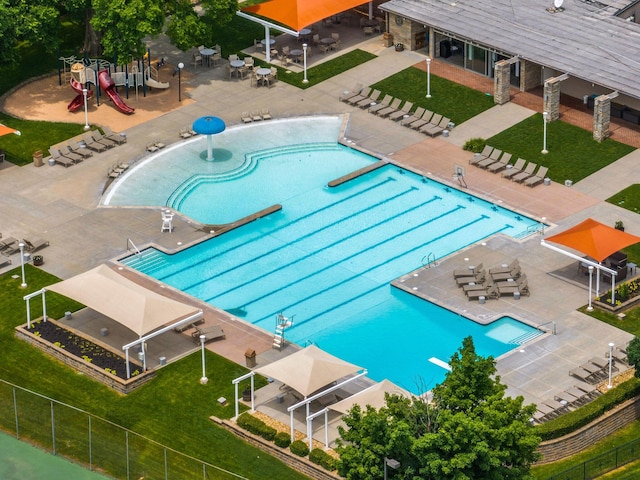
{"x": 209, "y": 126}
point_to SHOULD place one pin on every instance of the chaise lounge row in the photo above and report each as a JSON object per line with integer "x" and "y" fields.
{"x": 71, "y": 153}
{"x": 494, "y": 160}
{"x": 499, "y": 281}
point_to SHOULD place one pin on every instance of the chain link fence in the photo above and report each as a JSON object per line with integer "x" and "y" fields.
{"x": 97, "y": 443}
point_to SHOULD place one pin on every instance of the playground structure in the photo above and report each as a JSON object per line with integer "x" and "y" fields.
{"x": 81, "y": 73}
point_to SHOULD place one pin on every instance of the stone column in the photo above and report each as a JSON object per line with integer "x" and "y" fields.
{"x": 552, "y": 99}
{"x": 502, "y": 72}
{"x": 601, "y": 118}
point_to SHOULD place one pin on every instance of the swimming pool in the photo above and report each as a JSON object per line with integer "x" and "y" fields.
{"x": 327, "y": 259}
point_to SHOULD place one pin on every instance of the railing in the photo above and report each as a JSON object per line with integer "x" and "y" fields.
{"x": 608, "y": 461}
{"x": 94, "y": 442}
{"x": 130, "y": 242}
{"x": 430, "y": 260}
{"x": 552, "y": 330}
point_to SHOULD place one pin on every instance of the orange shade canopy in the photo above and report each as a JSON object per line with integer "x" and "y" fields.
{"x": 594, "y": 239}
{"x": 298, "y": 14}
{"x": 4, "y": 130}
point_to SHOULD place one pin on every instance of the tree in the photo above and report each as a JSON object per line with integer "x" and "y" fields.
{"x": 471, "y": 431}
{"x": 633, "y": 354}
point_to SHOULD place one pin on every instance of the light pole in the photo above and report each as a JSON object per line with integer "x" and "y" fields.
{"x": 428, "y": 77}
{"x": 544, "y": 140}
{"x": 304, "y": 51}
{"x": 24, "y": 280}
{"x": 590, "y": 307}
{"x": 391, "y": 462}
{"x": 180, "y": 67}
{"x": 610, "y": 364}
{"x": 86, "y": 112}
{"x": 203, "y": 380}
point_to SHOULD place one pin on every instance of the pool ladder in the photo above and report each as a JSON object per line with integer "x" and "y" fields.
{"x": 429, "y": 260}
{"x": 282, "y": 323}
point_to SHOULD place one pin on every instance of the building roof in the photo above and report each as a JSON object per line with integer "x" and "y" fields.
{"x": 585, "y": 39}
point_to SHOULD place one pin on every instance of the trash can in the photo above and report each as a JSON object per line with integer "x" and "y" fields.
{"x": 250, "y": 357}
{"x": 67, "y": 315}
{"x": 399, "y": 47}
{"x": 387, "y": 39}
{"x": 37, "y": 158}
{"x": 38, "y": 260}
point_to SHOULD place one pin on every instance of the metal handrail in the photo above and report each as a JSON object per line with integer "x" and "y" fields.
{"x": 130, "y": 242}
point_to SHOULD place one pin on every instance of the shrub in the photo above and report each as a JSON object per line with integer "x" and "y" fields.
{"x": 322, "y": 458}
{"x": 256, "y": 426}
{"x": 474, "y": 145}
{"x": 299, "y": 448}
{"x": 282, "y": 439}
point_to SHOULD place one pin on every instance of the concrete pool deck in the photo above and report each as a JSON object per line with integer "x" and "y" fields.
{"x": 61, "y": 205}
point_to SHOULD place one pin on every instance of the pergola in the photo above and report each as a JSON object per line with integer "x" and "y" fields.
{"x": 597, "y": 241}
{"x": 146, "y": 313}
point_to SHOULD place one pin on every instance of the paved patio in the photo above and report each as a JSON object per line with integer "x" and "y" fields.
{"x": 62, "y": 205}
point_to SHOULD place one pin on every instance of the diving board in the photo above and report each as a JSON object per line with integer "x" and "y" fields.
{"x": 440, "y": 363}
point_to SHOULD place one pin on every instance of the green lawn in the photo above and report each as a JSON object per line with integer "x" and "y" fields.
{"x": 172, "y": 409}
{"x": 629, "y": 198}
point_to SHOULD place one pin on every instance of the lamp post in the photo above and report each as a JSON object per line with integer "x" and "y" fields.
{"x": 544, "y": 140}
{"x": 203, "y": 379}
{"x": 24, "y": 280}
{"x": 180, "y": 67}
{"x": 610, "y": 364}
{"x": 590, "y": 307}
{"x": 86, "y": 112}
{"x": 428, "y": 78}
{"x": 304, "y": 51}
{"x": 391, "y": 462}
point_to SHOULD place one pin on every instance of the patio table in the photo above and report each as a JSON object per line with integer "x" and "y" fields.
{"x": 207, "y": 53}
{"x": 296, "y": 53}
{"x": 236, "y": 64}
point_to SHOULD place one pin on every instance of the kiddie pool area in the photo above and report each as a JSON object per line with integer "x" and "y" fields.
{"x": 326, "y": 259}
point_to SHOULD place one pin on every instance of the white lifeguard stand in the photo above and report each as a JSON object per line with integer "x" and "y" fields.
{"x": 167, "y": 221}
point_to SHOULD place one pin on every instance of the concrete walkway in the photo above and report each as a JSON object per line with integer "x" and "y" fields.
{"x": 62, "y": 205}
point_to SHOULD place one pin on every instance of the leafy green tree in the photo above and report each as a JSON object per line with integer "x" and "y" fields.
{"x": 633, "y": 354}
{"x": 470, "y": 431}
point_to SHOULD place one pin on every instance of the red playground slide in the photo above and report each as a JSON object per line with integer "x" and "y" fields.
{"x": 107, "y": 84}
{"x": 78, "y": 101}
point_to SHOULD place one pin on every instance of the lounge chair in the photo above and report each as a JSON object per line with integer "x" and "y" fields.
{"x": 505, "y": 158}
{"x": 417, "y": 115}
{"x": 346, "y": 95}
{"x": 432, "y": 129}
{"x": 512, "y": 281}
{"x": 426, "y": 118}
{"x": 7, "y": 243}
{"x": 511, "y": 274}
{"x": 80, "y": 150}
{"x": 246, "y": 118}
{"x": 35, "y": 245}
{"x": 59, "y": 158}
{"x": 74, "y": 157}
{"x": 366, "y": 103}
{"x": 5, "y": 262}
{"x": 477, "y": 278}
{"x": 256, "y": 116}
{"x": 478, "y": 157}
{"x": 465, "y": 272}
{"x": 185, "y": 132}
{"x": 394, "y": 107}
{"x": 477, "y": 286}
{"x": 211, "y": 332}
{"x": 526, "y": 173}
{"x": 434, "y": 120}
{"x": 384, "y": 103}
{"x": 515, "y": 169}
{"x": 92, "y": 144}
{"x": 152, "y": 147}
{"x": 490, "y": 292}
{"x": 11, "y": 248}
{"x": 98, "y": 137}
{"x": 583, "y": 375}
{"x": 493, "y": 157}
{"x": 534, "y": 180}
{"x": 364, "y": 93}
{"x": 400, "y": 113}
{"x": 504, "y": 268}
{"x": 114, "y": 137}
{"x": 187, "y": 326}
{"x": 521, "y": 288}
{"x": 500, "y": 164}
{"x": 266, "y": 115}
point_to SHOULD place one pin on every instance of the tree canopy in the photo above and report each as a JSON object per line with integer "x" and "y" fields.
{"x": 469, "y": 431}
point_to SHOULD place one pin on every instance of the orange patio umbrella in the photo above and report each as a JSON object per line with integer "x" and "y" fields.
{"x": 4, "y": 130}
{"x": 594, "y": 239}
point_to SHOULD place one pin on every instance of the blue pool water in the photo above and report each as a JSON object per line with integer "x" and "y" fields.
{"x": 328, "y": 257}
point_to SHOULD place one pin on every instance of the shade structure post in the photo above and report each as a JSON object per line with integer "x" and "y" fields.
{"x": 24, "y": 280}
{"x": 267, "y": 45}
{"x": 304, "y": 50}
{"x": 610, "y": 385}
{"x": 428, "y": 77}
{"x": 209, "y": 148}
{"x": 203, "y": 380}
{"x": 544, "y": 136}
{"x": 590, "y": 308}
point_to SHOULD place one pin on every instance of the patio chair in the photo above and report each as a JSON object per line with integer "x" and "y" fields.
{"x": 504, "y": 268}
{"x": 511, "y": 281}
{"x": 490, "y": 292}
{"x": 494, "y": 156}
{"x": 92, "y": 144}
{"x": 426, "y": 118}
{"x": 477, "y": 278}
{"x": 515, "y": 169}
{"x": 7, "y": 243}
{"x": 151, "y": 147}
{"x": 433, "y": 130}
{"x": 35, "y": 245}
{"x": 487, "y": 162}
{"x": 266, "y": 115}
{"x": 583, "y": 375}
{"x": 347, "y": 94}
{"x": 464, "y": 272}
{"x": 257, "y": 46}
{"x": 477, "y": 286}
{"x": 184, "y": 132}
{"x": 539, "y": 177}
{"x": 80, "y": 150}
{"x": 246, "y": 118}
{"x": 385, "y": 112}
{"x": 197, "y": 60}
{"x": 500, "y": 164}
{"x": 479, "y": 157}
{"x": 432, "y": 121}
{"x": 384, "y": 103}
{"x": 417, "y": 115}
{"x": 114, "y": 137}
{"x": 98, "y": 137}
{"x": 526, "y": 173}
{"x": 515, "y": 272}
{"x": 65, "y": 152}
{"x": 59, "y": 158}
{"x": 521, "y": 288}
{"x": 366, "y": 103}
{"x": 363, "y": 94}
{"x": 187, "y": 326}
{"x": 212, "y": 332}
{"x": 256, "y": 116}
{"x": 400, "y": 113}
